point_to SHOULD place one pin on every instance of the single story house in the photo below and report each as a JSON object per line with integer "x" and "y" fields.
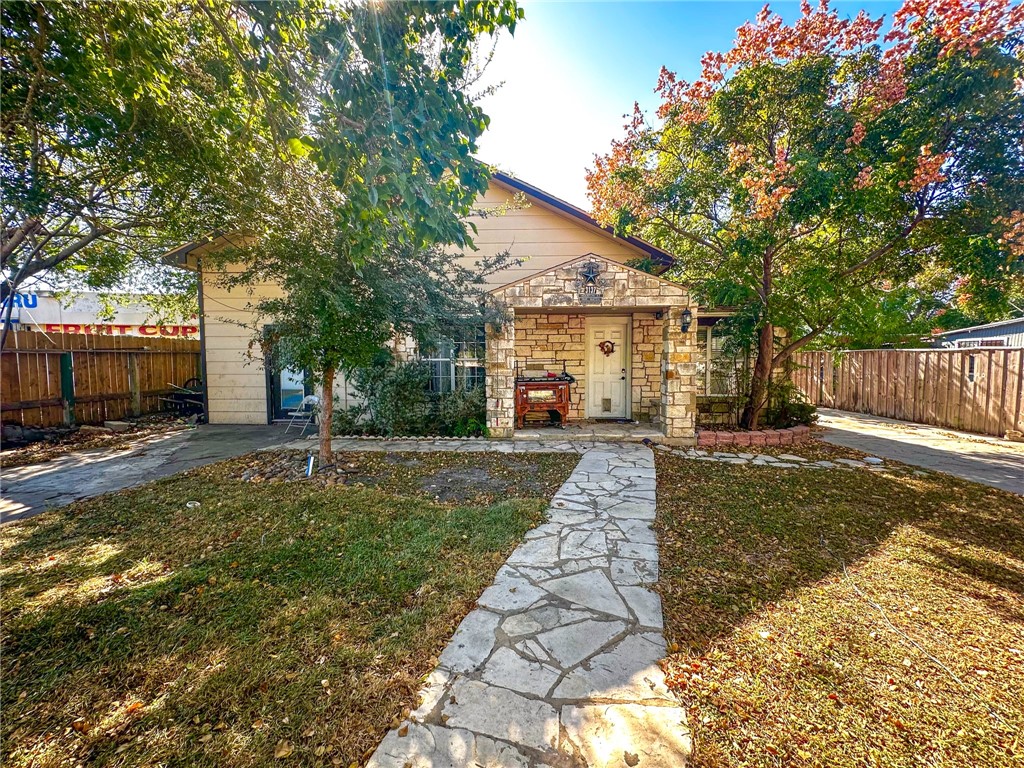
{"x": 636, "y": 345}
{"x": 1004, "y": 333}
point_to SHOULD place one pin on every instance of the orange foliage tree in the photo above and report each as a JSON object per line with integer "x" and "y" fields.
{"x": 814, "y": 161}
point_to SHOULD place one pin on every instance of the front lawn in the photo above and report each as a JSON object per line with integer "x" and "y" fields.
{"x": 275, "y": 622}
{"x": 843, "y": 618}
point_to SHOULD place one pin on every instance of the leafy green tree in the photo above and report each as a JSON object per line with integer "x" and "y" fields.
{"x": 811, "y": 165}
{"x": 388, "y": 153}
{"x": 131, "y": 127}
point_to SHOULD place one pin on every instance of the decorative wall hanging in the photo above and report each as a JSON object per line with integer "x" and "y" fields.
{"x": 607, "y": 347}
{"x": 589, "y": 289}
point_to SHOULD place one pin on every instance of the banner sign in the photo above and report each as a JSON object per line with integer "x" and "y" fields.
{"x": 102, "y": 329}
{"x": 19, "y": 300}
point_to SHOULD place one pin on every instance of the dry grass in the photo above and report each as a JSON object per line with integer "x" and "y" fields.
{"x": 276, "y": 618}
{"x": 843, "y": 618}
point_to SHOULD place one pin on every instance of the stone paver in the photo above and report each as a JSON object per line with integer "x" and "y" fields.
{"x": 783, "y": 461}
{"x": 558, "y": 664}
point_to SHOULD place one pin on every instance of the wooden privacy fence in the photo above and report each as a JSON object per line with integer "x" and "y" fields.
{"x": 48, "y": 380}
{"x": 976, "y": 390}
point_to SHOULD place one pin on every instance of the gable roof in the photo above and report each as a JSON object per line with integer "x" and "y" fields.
{"x": 615, "y": 265}
{"x": 179, "y": 257}
{"x": 660, "y": 257}
{"x": 986, "y": 326}
{"x": 556, "y": 287}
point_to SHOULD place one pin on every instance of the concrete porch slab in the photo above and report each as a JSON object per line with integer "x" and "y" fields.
{"x": 596, "y": 431}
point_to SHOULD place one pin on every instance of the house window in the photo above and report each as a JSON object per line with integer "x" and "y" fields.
{"x": 970, "y": 343}
{"x": 457, "y": 363}
{"x": 718, "y": 368}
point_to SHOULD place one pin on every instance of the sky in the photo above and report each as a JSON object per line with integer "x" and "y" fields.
{"x": 573, "y": 69}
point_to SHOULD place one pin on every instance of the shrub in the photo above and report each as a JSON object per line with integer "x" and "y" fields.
{"x": 463, "y": 413}
{"x": 397, "y": 401}
{"x": 351, "y": 421}
{"x": 788, "y": 407}
{"x": 396, "y": 398}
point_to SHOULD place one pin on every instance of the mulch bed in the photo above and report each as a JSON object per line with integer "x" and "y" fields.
{"x": 447, "y": 477}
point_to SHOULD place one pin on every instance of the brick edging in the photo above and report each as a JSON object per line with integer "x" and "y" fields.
{"x": 757, "y": 437}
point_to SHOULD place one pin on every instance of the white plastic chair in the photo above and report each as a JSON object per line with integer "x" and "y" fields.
{"x": 307, "y": 410}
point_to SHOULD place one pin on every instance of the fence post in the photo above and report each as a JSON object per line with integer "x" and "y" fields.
{"x": 67, "y": 387}
{"x": 134, "y": 383}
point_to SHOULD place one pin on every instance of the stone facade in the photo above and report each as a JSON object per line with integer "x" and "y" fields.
{"x": 550, "y": 311}
{"x": 560, "y": 338}
{"x": 646, "y": 374}
{"x": 501, "y": 391}
{"x": 616, "y": 286}
{"x": 678, "y": 376}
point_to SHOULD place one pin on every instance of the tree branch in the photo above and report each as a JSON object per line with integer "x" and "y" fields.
{"x": 884, "y": 249}
{"x": 686, "y": 234}
{"x": 792, "y": 347}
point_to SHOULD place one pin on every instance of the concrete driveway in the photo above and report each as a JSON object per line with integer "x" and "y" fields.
{"x": 26, "y": 491}
{"x": 988, "y": 460}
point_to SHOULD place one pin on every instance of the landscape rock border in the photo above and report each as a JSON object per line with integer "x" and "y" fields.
{"x": 711, "y": 438}
{"x": 782, "y": 461}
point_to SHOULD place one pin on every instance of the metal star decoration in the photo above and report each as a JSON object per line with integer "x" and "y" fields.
{"x": 590, "y": 273}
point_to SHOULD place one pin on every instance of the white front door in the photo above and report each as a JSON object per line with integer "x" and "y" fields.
{"x": 608, "y": 357}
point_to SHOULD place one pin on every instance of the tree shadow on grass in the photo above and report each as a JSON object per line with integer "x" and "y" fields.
{"x": 807, "y": 609}
{"x": 736, "y": 538}
{"x": 271, "y": 618}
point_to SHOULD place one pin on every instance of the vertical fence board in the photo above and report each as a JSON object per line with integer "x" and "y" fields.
{"x": 928, "y": 386}
{"x": 30, "y": 378}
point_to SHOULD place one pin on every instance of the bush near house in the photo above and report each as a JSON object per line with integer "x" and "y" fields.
{"x": 397, "y": 400}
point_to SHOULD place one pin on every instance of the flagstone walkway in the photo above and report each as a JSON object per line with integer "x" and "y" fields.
{"x": 558, "y": 664}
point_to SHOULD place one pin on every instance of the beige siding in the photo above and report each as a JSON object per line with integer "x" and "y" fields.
{"x": 538, "y": 235}
{"x": 236, "y": 383}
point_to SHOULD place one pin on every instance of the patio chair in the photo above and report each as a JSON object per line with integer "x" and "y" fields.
{"x": 307, "y": 412}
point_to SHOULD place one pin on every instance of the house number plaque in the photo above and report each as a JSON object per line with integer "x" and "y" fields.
{"x": 588, "y": 289}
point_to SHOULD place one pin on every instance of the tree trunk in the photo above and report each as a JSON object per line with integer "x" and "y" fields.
{"x": 757, "y": 398}
{"x": 326, "y": 416}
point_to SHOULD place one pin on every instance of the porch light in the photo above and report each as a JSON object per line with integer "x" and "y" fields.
{"x": 685, "y": 320}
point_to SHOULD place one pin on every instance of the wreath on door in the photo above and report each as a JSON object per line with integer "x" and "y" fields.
{"x": 607, "y": 347}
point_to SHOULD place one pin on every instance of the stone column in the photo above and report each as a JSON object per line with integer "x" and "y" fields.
{"x": 499, "y": 367}
{"x": 678, "y": 378}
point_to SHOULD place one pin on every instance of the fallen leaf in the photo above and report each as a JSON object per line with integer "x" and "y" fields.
{"x": 283, "y": 749}
{"x": 631, "y": 758}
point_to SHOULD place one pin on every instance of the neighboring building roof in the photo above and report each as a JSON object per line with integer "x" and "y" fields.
{"x": 986, "y": 326}
{"x": 658, "y": 256}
